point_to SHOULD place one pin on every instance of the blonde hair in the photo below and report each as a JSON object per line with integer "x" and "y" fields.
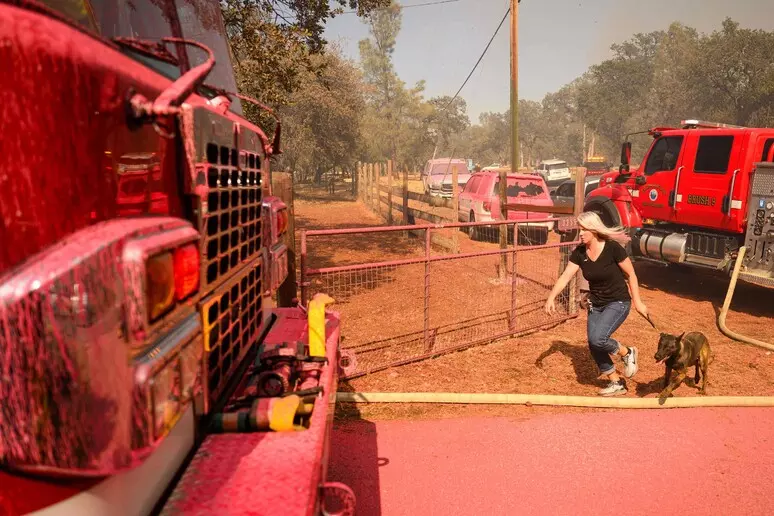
{"x": 590, "y": 220}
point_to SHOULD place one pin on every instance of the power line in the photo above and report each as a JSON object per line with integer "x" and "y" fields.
{"x": 479, "y": 59}
{"x": 414, "y": 5}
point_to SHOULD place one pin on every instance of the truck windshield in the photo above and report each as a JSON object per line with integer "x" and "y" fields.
{"x": 444, "y": 168}
{"x": 77, "y": 10}
{"x": 152, "y": 20}
{"x": 201, "y": 21}
{"x": 664, "y": 154}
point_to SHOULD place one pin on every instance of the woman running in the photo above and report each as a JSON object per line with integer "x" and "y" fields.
{"x": 612, "y": 287}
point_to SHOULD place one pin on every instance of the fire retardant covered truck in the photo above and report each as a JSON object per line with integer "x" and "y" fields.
{"x": 144, "y": 366}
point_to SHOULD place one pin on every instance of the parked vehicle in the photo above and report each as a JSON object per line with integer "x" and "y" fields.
{"x": 437, "y": 176}
{"x": 596, "y": 165}
{"x": 690, "y": 200}
{"x": 564, "y": 194}
{"x": 553, "y": 171}
{"x": 480, "y": 202}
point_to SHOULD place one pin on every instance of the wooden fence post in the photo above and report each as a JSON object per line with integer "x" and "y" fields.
{"x": 364, "y": 181}
{"x": 405, "y": 196}
{"x": 389, "y": 192}
{"x": 578, "y": 281}
{"x": 353, "y": 178}
{"x": 375, "y": 186}
{"x": 369, "y": 172}
{"x": 375, "y": 206}
{"x": 379, "y": 170}
{"x": 455, "y": 208}
{"x": 370, "y": 175}
{"x": 358, "y": 180}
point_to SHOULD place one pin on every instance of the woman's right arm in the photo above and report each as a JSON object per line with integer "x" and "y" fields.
{"x": 562, "y": 282}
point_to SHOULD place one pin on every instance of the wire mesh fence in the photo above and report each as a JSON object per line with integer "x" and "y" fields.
{"x": 412, "y": 292}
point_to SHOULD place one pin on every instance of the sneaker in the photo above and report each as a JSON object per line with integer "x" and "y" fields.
{"x": 630, "y": 360}
{"x": 613, "y": 389}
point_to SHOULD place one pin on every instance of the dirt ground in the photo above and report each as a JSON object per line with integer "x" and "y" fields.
{"x": 552, "y": 361}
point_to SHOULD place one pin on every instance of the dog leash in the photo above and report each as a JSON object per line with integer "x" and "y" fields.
{"x": 647, "y": 318}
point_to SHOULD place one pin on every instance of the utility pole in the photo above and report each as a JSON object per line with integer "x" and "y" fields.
{"x": 514, "y": 136}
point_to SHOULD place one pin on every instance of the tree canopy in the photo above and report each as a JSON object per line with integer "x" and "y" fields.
{"x": 337, "y": 112}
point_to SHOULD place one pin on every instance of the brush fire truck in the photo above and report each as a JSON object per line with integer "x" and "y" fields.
{"x": 701, "y": 192}
{"x": 144, "y": 366}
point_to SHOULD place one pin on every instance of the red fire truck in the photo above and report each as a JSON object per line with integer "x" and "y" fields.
{"x": 143, "y": 364}
{"x": 700, "y": 193}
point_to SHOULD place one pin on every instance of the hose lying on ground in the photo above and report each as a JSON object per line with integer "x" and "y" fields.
{"x": 727, "y": 304}
{"x": 585, "y": 401}
{"x": 554, "y": 400}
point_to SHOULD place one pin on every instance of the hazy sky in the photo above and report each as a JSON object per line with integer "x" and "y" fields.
{"x": 558, "y": 40}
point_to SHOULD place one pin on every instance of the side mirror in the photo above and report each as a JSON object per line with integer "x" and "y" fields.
{"x": 626, "y": 157}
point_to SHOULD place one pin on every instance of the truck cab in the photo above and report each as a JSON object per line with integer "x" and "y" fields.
{"x": 687, "y": 200}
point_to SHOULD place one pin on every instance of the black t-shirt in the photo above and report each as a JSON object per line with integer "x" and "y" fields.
{"x": 607, "y": 282}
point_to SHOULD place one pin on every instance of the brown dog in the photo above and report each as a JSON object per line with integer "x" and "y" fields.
{"x": 679, "y": 353}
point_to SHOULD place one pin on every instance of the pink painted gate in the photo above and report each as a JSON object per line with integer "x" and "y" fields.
{"x": 407, "y": 293}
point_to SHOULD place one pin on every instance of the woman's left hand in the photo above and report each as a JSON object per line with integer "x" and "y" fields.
{"x": 641, "y": 308}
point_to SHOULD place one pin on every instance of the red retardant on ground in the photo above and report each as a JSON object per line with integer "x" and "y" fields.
{"x": 696, "y": 461}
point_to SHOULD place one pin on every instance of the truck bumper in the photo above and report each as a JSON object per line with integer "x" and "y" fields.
{"x": 278, "y": 473}
{"x": 136, "y": 491}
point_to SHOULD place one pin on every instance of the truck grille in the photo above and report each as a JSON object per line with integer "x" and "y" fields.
{"x": 227, "y": 334}
{"x": 449, "y": 188}
{"x": 233, "y": 215}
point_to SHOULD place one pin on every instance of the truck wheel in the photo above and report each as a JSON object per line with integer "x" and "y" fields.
{"x": 605, "y": 209}
{"x": 533, "y": 236}
{"x": 542, "y": 236}
{"x": 473, "y": 230}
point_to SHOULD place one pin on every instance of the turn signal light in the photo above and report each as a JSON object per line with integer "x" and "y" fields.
{"x": 487, "y": 206}
{"x": 160, "y": 284}
{"x": 186, "y": 268}
{"x": 282, "y": 222}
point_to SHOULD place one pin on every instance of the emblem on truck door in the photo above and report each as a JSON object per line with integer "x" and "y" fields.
{"x": 653, "y": 195}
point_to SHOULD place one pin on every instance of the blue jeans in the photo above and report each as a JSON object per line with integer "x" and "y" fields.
{"x": 602, "y": 322}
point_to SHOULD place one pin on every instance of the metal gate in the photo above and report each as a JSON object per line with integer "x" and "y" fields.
{"x": 419, "y": 299}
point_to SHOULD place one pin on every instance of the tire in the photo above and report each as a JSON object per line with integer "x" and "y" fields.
{"x": 473, "y": 232}
{"x": 533, "y": 236}
{"x": 607, "y": 211}
{"x": 542, "y": 236}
